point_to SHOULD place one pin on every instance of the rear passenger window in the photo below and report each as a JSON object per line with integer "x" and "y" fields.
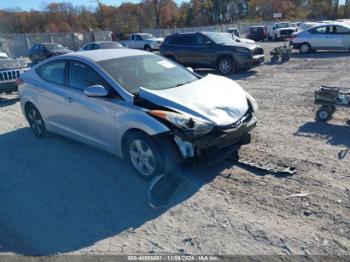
{"x": 183, "y": 40}
{"x": 53, "y": 72}
{"x": 81, "y": 76}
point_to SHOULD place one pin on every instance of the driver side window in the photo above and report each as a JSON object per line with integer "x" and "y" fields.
{"x": 82, "y": 76}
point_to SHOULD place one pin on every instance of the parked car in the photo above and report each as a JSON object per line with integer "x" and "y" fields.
{"x": 139, "y": 106}
{"x": 234, "y": 31}
{"x": 280, "y": 31}
{"x": 143, "y": 41}
{"x": 42, "y": 51}
{"x": 212, "y": 50}
{"x": 334, "y": 36}
{"x": 101, "y": 45}
{"x": 305, "y": 25}
{"x": 10, "y": 69}
{"x": 256, "y": 33}
{"x": 240, "y": 40}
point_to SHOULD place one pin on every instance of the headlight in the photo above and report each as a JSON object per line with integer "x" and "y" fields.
{"x": 252, "y": 102}
{"x": 195, "y": 125}
{"x": 242, "y": 50}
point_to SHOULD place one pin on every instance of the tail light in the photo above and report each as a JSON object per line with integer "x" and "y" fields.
{"x": 19, "y": 81}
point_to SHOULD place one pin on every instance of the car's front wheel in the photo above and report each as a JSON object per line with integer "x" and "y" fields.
{"x": 35, "y": 121}
{"x": 148, "y": 48}
{"x": 143, "y": 155}
{"x": 225, "y": 65}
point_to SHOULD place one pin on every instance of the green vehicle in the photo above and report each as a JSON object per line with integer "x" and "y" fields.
{"x": 329, "y": 98}
{"x": 282, "y": 52}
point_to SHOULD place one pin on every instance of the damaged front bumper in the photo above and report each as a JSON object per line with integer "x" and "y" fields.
{"x": 217, "y": 145}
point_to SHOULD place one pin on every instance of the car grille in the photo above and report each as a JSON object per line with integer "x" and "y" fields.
{"x": 258, "y": 51}
{"x": 287, "y": 32}
{"x": 9, "y": 75}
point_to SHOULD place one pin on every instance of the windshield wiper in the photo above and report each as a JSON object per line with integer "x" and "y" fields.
{"x": 181, "y": 84}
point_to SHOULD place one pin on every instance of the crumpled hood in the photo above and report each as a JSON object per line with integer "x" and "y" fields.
{"x": 12, "y": 63}
{"x": 214, "y": 99}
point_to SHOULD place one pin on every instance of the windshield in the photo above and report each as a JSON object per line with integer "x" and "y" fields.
{"x": 148, "y": 71}
{"x": 110, "y": 45}
{"x": 282, "y": 25}
{"x": 52, "y": 47}
{"x": 147, "y": 36}
{"x": 220, "y": 38}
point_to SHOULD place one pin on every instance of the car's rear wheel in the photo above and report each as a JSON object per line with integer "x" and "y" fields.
{"x": 305, "y": 48}
{"x": 226, "y": 65}
{"x": 35, "y": 121}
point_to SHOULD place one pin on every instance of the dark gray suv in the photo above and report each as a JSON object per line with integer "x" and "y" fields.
{"x": 211, "y": 50}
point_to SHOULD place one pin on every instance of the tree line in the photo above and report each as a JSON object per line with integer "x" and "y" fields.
{"x": 133, "y": 17}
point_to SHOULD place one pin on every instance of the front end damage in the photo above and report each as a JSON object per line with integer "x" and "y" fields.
{"x": 216, "y": 145}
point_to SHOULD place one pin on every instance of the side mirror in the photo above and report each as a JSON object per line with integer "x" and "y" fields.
{"x": 96, "y": 91}
{"x": 190, "y": 69}
{"x": 274, "y": 28}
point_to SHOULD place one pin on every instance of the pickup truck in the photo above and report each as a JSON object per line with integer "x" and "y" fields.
{"x": 142, "y": 41}
{"x": 280, "y": 31}
{"x": 10, "y": 69}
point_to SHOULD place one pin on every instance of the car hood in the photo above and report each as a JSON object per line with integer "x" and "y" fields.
{"x": 246, "y": 41}
{"x": 250, "y": 46}
{"x": 287, "y": 28}
{"x": 61, "y": 51}
{"x": 214, "y": 99}
{"x": 12, "y": 63}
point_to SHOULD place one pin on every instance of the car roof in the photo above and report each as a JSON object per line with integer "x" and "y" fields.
{"x": 105, "y": 54}
{"x": 333, "y": 24}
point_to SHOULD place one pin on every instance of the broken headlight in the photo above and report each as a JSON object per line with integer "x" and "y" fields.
{"x": 195, "y": 125}
{"x": 252, "y": 102}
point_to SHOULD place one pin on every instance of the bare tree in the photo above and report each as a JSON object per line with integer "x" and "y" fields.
{"x": 157, "y": 7}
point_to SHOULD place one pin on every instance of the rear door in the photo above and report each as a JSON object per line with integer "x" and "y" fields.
{"x": 319, "y": 37}
{"x": 182, "y": 46}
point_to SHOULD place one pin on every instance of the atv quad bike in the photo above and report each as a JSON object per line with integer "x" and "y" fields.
{"x": 282, "y": 52}
{"x": 329, "y": 98}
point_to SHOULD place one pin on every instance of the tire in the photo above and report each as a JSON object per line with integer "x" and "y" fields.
{"x": 36, "y": 122}
{"x": 148, "y": 48}
{"x": 323, "y": 114}
{"x": 305, "y": 48}
{"x": 269, "y": 38}
{"x": 285, "y": 57}
{"x": 274, "y": 59}
{"x": 225, "y": 65}
{"x": 146, "y": 158}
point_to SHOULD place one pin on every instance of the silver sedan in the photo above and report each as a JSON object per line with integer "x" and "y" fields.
{"x": 330, "y": 36}
{"x": 139, "y": 106}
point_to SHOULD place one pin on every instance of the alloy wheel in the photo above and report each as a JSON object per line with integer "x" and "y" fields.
{"x": 142, "y": 157}
{"x": 36, "y": 123}
{"x": 225, "y": 66}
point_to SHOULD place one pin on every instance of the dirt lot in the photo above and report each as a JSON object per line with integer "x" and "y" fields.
{"x": 58, "y": 196}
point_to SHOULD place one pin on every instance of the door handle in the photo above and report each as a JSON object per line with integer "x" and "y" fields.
{"x": 69, "y": 99}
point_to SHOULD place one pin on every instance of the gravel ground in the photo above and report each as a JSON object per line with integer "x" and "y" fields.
{"x": 58, "y": 196}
